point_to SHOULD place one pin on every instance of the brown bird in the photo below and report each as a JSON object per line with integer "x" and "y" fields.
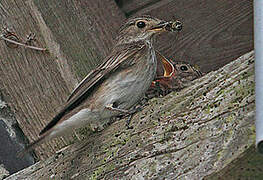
{"x": 171, "y": 76}
{"x": 117, "y": 84}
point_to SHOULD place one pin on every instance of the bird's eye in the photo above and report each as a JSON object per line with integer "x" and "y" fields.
{"x": 141, "y": 24}
{"x": 183, "y": 68}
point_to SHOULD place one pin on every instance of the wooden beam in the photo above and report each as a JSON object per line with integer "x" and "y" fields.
{"x": 185, "y": 135}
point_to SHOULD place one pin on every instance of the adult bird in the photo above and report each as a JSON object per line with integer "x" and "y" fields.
{"x": 117, "y": 84}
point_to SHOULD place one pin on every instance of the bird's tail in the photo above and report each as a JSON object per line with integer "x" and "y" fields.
{"x": 31, "y": 146}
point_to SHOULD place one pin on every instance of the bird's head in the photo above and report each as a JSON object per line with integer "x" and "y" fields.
{"x": 143, "y": 28}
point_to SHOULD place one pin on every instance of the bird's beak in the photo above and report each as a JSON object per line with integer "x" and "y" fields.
{"x": 167, "y": 26}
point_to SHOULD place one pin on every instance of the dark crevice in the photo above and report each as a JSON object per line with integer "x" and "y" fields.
{"x": 11, "y": 145}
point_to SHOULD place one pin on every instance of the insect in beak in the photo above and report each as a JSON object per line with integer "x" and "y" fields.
{"x": 168, "y": 26}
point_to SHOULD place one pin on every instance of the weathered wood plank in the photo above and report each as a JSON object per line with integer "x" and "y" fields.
{"x": 132, "y": 6}
{"x": 185, "y": 135}
{"x": 214, "y": 32}
{"x": 78, "y": 34}
{"x": 84, "y": 30}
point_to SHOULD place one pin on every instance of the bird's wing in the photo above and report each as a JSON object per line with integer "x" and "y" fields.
{"x": 82, "y": 91}
{"x": 96, "y": 74}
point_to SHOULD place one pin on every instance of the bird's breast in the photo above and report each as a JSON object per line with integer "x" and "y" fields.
{"x": 126, "y": 86}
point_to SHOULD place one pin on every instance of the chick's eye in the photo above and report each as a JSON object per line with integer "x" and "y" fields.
{"x": 183, "y": 68}
{"x": 141, "y": 24}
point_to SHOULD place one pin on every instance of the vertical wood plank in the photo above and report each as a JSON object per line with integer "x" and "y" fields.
{"x": 214, "y": 32}
{"x": 78, "y": 34}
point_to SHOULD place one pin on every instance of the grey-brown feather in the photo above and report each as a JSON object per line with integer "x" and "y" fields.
{"x": 121, "y": 56}
{"x": 122, "y": 79}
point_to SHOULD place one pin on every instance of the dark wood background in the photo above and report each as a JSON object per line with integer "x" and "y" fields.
{"x": 78, "y": 34}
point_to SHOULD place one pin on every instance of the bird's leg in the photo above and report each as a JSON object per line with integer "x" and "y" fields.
{"x": 129, "y": 121}
{"x": 111, "y": 107}
{"x": 134, "y": 110}
{"x": 126, "y": 113}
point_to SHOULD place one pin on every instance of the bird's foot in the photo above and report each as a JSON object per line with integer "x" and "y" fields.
{"x": 125, "y": 113}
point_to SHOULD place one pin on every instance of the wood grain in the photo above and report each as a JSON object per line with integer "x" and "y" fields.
{"x": 130, "y": 7}
{"x": 78, "y": 34}
{"x": 214, "y": 32}
{"x": 185, "y": 135}
{"x": 83, "y": 30}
